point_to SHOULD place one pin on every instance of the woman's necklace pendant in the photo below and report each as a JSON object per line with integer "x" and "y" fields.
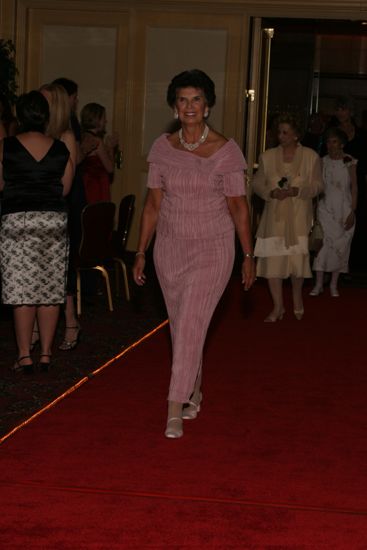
{"x": 193, "y": 146}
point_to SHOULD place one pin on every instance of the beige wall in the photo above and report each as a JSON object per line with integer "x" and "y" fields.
{"x": 123, "y": 53}
{"x": 81, "y": 53}
{"x": 87, "y": 55}
{"x": 193, "y": 48}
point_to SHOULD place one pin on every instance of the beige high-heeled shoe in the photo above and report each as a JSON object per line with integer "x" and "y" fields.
{"x": 298, "y": 313}
{"x": 271, "y": 318}
{"x": 192, "y": 409}
{"x": 174, "y": 428}
{"x": 316, "y": 291}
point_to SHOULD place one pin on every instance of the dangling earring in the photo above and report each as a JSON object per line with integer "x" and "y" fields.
{"x": 175, "y": 115}
{"x": 206, "y": 114}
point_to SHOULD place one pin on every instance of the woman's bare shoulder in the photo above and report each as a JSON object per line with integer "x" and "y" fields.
{"x": 68, "y": 133}
{"x": 68, "y": 137}
{"x": 173, "y": 139}
{"x": 216, "y": 138}
{"x": 36, "y": 138}
{"x": 214, "y": 142}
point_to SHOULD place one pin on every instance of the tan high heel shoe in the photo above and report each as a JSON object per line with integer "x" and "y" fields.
{"x": 174, "y": 428}
{"x": 271, "y": 318}
{"x": 192, "y": 409}
{"x": 298, "y": 313}
{"x": 316, "y": 291}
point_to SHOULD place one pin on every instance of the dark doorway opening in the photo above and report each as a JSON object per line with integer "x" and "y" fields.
{"x": 313, "y": 62}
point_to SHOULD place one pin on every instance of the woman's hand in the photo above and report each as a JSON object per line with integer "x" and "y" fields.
{"x": 89, "y": 143}
{"x": 138, "y": 270}
{"x": 148, "y": 225}
{"x": 279, "y": 194}
{"x": 112, "y": 140}
{"x": 238, "y": 207}
{"x": 350, "y": 221}
{"x": 248, "y": 272}
{"x": 293, "y": 191}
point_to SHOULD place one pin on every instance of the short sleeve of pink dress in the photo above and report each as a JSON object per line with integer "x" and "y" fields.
{"x": 194, "y": 246}
{"x": 195, "y": 188}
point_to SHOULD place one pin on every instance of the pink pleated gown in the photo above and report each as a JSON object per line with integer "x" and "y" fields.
{"x": 194, "y": 247}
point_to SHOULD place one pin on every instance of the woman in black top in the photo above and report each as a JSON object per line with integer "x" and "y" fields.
{"x": 35, "y": 174}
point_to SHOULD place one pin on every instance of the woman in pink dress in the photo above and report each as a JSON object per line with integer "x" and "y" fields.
{"x": 196, "y": 198}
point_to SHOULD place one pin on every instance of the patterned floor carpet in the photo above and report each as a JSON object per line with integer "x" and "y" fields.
{"x": 104, "y": 334}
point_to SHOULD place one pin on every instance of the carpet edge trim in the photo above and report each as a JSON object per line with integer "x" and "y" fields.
{"x": 189, "y": 498}
{"x": 81, "y": 382}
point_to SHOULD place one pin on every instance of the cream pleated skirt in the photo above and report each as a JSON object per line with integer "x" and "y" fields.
{"x": 283, "y": 267}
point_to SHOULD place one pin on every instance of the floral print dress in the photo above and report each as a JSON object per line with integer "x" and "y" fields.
{"x": 333, "y": 210}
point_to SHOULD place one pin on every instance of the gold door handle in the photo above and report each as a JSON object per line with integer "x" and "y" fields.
{"x": 250, "y": 95}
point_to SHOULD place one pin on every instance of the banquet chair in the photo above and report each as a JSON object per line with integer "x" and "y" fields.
{"x": 119, "y": 240}
{"x": 97, "y": 221}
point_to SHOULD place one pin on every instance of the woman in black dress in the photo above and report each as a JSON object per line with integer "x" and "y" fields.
{"x": 35, "y": 174}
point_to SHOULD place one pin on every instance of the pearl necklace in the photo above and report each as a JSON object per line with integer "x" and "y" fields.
{"x": 193, "y": 146}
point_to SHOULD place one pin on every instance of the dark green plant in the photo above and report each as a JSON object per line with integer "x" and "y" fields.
{"x": 8, "y": 70}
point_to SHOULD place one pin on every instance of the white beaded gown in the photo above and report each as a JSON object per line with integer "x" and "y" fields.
{"x": 332, "y": 211}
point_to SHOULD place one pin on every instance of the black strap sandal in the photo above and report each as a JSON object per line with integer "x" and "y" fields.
{"x": 27, "y": 369}
{"x": 44, "y": 366}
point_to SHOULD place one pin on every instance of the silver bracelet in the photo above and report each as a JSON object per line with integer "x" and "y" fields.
{"x": 140, "y": 254}
{"x": 248, "y": 255}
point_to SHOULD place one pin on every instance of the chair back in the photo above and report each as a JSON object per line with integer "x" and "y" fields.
{"x": 97, "y": 227}
{"x": 126, "y": 212}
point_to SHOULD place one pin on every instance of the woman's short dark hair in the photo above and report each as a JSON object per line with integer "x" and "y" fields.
{"x": 70, "y": 86}
{"x": 191, "y": 79}
{"x": 293, "y": 120}
{"x": 5, "y": 109}
{"x": 33, "y": 112}
{"x": 336, "y": 133}
{"x": 343, "y": 102}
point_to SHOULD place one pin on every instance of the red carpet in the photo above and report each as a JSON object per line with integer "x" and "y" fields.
{"x": 276, "y": 459}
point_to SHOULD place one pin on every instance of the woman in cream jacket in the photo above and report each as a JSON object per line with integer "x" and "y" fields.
{"x": 289, "y": 176}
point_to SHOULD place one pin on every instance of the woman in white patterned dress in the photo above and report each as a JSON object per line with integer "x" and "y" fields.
{"x": 336, "y": 211}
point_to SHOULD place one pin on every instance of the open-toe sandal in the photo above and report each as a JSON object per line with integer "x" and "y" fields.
{"x": 68, "y": 345}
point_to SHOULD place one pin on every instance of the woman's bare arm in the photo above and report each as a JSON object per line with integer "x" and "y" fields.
{"x": 238, "y": 208}
{"x": 148, "y": 226}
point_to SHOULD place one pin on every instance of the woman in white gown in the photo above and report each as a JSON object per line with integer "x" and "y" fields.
{"x": 336, "y": 211}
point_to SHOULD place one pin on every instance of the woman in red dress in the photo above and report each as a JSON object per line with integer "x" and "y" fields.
{"x": 99, "y": 163}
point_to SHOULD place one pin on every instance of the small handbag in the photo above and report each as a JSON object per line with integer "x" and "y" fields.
{"x": 316, "y": 236}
